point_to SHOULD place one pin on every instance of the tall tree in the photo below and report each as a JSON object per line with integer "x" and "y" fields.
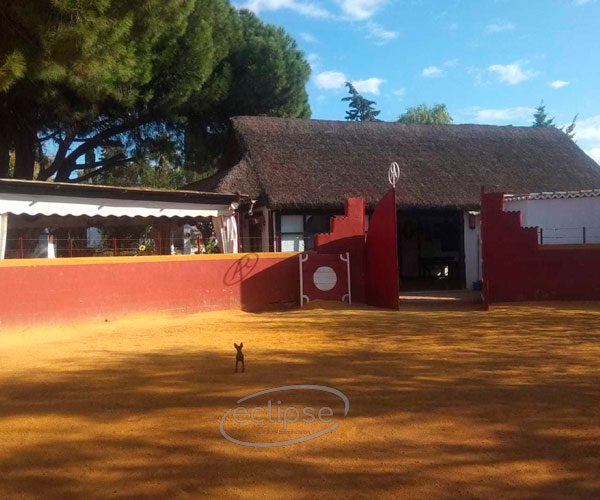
{"x": 264, "y": 74}
{"x": 99, "y": 79}
{"x": 80, "y": 64}
{"x": 437, "y": 114}
{"x": 540, "y": 117}
{"x": 360, "y": 109}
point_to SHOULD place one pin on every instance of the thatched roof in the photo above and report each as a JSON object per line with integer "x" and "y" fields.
{"x": 313, "y": 164}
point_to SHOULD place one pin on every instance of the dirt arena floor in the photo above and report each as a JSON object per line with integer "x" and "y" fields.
{"x": 445, "y": 403}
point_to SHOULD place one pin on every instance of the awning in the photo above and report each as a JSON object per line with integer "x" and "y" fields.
{"x": 41, "y": 204}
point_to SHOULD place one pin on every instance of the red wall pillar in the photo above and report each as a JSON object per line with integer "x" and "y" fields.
{"x": 382, "y": 277}
{"x": 348, "y": 235}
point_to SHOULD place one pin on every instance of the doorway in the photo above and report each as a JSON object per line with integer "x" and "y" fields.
{"x": 431, "y": 250}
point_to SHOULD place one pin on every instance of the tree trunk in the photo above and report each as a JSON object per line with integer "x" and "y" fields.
{"x": 25, "y": 148}
{"x": 64, "y": 172}
{"x": 4, "y": 158}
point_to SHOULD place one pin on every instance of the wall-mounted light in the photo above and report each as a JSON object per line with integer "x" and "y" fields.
{"x": 251, "y": 211}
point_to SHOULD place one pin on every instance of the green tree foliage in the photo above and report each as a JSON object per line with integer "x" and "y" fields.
{"x": 540, "y": 119}
{"x": 438, "y": 114}
{"x": 12, "y": 70}
{"x": 360, "y": 109}
{"x": 141, "y": 173}
{"x": 89, "y": 67}
{"x": 264, "y": 74}
{"x": 570, "y": 129}
{"x": 99, "y": 79}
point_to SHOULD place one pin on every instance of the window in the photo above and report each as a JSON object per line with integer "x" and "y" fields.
{"x": 292, "y": 233}
{"x": 298, "y": 231}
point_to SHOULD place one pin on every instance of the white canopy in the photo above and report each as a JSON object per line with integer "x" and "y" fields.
{"x": 42, "y": 204}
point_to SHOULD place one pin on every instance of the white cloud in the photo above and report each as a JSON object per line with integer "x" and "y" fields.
{"x": 330, "y": 80}
{"x": 559, "y": 84}
{"x": 308, "y": 37}
{"x": 583, "y": 2}
{"x": 499, "y": 27}
{"x": 309, "y": 9}
{"x": 369, "y": 86}
{"x": 399, "y": 92}
{"x": 512, "y": 73}
{"x": 360, "y": 9}
{"x": 587, "y": 135}
{"x": 377, "y": 31}
{"x": 450, "y": 63}
{"x": 432, "y": 72}
{"x": 336, "y": 79}
{"x": 500, "y": 115}
{"x": 588, "y": 129}
{"x": 594, "y": 153}
{"x": 313, "y": 60}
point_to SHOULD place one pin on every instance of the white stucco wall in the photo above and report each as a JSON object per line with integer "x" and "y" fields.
{"x": 562, "y": 219}
{"x": 472, "y": 250}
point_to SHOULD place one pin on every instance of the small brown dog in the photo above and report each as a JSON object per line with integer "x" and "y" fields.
{"x": 239, "y": 356}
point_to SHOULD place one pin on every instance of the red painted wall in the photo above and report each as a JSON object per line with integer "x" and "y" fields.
{"x": 52, "y": 291}
{"x": 383, "y": 282}
{"x": 313, "y": 261}
{"x": 348, "y": 235}
{"x": 517, "y": 268}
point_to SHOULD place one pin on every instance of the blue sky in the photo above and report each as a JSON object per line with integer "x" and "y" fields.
{"x": 489, "y": 61}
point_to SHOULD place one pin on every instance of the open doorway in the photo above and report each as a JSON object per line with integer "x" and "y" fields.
{"x": 431, "y": 250}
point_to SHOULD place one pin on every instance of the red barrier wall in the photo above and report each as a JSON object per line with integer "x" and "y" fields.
{"x": 340, "y": 291}
{"x": 56, "y": 290}
{"x": 348, "y": 235}
{"x": 517, "y": 268}
{"x": 383, "y": 282}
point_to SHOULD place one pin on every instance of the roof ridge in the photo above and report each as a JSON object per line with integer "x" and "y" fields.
{"x": 243, "y": 118}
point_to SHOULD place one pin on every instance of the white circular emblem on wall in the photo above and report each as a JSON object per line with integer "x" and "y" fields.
{"x": 324, "y": 278}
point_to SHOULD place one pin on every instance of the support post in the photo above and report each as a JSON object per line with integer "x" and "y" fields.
{"x": 239, "y": 233}
{"x": 114, "y": 242}
{"x": 51, "y": 248}
{"x": 584, "y": 235}
{"x": 21, "y": 248}
{"x": 541, "y": 235}
{"x": 70, "y": 246}
{"x": 274, "y": 224}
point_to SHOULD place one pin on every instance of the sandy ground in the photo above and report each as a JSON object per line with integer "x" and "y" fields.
{"x": 444, "y": 404}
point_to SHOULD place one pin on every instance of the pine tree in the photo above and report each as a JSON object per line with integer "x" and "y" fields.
{"x": 540, "y": 117}
{"x": 570, "y": 129}
{"x": 94, "y": 76}
{"x": 361, "y": 109}
{"x": 264, "y": 74}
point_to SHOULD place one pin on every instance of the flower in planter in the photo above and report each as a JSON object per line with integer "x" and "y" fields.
{"x": 142, "y": 248}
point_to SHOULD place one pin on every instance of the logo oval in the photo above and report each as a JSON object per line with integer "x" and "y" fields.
{"x": 314, "y": 435}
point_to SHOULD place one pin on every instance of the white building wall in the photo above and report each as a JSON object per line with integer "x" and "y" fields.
{"x": 472, "y": 250}
{"x": 562, "y": 219}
